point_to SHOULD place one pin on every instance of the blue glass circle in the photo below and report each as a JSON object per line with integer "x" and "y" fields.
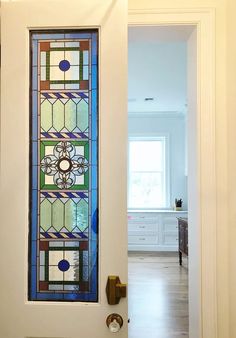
{"x": 63, "y": 265}
{"x": 64, "y": 65}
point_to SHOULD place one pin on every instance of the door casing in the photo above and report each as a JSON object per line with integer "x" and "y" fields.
{"x": 202, "y": 202}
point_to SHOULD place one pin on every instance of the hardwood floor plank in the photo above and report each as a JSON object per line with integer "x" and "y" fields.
{"x": 158, "y": 296}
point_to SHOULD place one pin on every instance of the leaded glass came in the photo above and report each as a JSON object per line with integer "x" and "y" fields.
{"x": 63, "y": 173}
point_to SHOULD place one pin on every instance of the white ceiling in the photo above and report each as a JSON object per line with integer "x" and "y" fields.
{"x": 159, "y": 33}
{"x": 157, "y": 68}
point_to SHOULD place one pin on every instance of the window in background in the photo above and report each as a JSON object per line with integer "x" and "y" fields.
{"x": 148, "y": 173}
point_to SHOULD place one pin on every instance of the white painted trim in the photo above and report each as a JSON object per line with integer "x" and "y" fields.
{"x": 176, "y": 11}
{"x": 204, "y": 21}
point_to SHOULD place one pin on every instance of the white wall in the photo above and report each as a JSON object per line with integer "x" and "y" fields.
{"x": 173, "y": 125}
{"x": 157, "y": 70}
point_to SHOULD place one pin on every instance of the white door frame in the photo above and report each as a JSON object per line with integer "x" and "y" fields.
{"x": 205, "y": 307}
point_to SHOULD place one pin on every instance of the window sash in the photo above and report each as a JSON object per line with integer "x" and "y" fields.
{"x": 163, "y": 202}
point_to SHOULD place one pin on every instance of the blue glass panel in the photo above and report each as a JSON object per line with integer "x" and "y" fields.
{"x": 33, "y": 283}
{"x": 81, "y": 297}
{"x": 63, "y": 239}
{"x": 42, "y": 36}
{"x": 34, "y": 214}
{"x": 78, "y": 36}
{"x": 34, "y": 78}
{"x": 94, "y": 77}
{"x": 34, "y": 251}
{"x": 94, "y": 153}
{"x": 35, "y": 53}
{"x": 34, "y": 177}
{"x": 94, "y": 225}
{"x": 94, "y": 182}
{"x": 34, "y": 104}
{"x": 94, "y": 274}
{"x": 49, "y": 296}
{"x": 94, "y": 50}
{"x": 94, "y": 115}
{"x": 34, "y": 128}
{"x": 35, "y": 152}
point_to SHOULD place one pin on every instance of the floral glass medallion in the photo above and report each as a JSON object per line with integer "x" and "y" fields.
{"x": 63, "y": 240}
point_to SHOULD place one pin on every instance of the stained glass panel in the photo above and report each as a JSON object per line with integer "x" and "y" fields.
{"x": 63, "y": 173}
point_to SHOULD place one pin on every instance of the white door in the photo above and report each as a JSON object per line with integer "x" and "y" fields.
{"x": 22, "y": 315}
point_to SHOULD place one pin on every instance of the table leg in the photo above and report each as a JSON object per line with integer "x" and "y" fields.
{"x": 180, "y": 258}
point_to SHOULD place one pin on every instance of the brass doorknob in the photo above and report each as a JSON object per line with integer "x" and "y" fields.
{"x": 115, "y": 290}
{"x": 114, "y": 322}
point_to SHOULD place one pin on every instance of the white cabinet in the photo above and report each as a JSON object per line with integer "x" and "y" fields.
{"x": 153, "y": 231}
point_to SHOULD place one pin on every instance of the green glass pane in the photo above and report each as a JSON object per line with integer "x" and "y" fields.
{"x": 45, "y": 215}
{"x": 46, "y": 115}
{"x": 82, "y": 115}
{"x": 70, "y": 215}
{"x": 82, "y": 215}
{"x": 58, "y": 215}
{"x": 58, "y": 115}
{"x": 70, "y": 115}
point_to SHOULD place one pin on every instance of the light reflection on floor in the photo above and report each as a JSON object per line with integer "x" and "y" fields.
{"x": 158, "y": 296}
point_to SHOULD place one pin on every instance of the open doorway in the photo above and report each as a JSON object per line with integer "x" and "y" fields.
{"x": 162, "y": 64}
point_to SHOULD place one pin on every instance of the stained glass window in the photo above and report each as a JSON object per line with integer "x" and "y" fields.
{"x": 63, "y": 172}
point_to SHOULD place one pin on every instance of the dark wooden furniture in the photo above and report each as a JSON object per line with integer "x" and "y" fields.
{"x": 183, "y": 237}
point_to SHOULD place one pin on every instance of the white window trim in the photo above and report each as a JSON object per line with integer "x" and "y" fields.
{"x": 149, "y": 137}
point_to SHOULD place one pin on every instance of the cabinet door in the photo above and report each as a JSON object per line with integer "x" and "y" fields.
{"x": 142, "y": 223}
{"x": 171, "y": 239}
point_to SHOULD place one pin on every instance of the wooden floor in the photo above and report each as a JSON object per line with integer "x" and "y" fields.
{"x": 158, "y": 296}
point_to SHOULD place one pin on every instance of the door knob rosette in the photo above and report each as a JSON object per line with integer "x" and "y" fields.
{"x": 114, "y": 322}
